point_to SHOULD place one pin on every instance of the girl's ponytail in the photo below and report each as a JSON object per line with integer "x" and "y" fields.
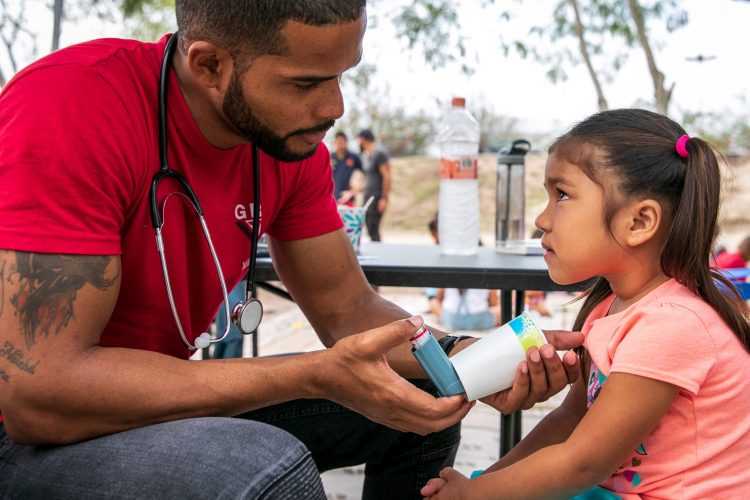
{"x": 688, "y": 247}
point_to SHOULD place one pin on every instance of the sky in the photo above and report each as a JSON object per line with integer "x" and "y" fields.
{"x": 519, "y": 88}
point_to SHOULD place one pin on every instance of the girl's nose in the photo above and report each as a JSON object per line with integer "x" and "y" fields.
{"x": 542, "y": 220}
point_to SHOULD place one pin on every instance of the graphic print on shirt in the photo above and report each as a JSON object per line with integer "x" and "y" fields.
{"x": 244, "y": 216}
{"x": 626, "y": 472}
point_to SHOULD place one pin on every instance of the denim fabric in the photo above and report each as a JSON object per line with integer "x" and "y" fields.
{"x": 372, "y": 220}
{"x": 227, "y": 458}
{"x": 397, "y": 464}
{"x": 467, "y": 321}
{"x": 200, "y": 458}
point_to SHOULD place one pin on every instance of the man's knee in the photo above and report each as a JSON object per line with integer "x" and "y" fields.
{"x": 255, "y": 460}
{"x": 191, "y": 458}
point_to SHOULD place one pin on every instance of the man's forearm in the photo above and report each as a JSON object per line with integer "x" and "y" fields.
{"x": 108, "y": 389}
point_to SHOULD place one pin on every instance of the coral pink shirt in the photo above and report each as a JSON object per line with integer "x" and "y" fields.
{"x": 701, "y": 446}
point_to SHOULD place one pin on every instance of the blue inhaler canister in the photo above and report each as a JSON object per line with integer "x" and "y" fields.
{"x": 435, "y": 363}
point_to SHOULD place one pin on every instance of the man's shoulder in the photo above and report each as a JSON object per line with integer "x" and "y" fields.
{"x": 125, "y": 70}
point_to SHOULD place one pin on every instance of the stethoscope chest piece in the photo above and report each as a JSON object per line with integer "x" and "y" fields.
{"x": 247, "y": 315}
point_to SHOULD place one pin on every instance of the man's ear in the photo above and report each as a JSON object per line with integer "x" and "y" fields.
{"x": 642, "y": 222}
{"x": 210, "y": 65}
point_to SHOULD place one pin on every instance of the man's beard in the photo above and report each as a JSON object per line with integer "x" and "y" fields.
{"x": 241, "y": 117}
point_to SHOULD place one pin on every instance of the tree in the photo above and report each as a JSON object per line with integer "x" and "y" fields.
{"x": 604, "y": 33}
{"x": 147, "y": 16}
{"x": 13, "y": 30}
{"x": 605, "y": 30}
{"x": 662, "y": 96}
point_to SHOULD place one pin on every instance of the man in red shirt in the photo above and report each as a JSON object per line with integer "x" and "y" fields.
{"x": 92, "y": 364}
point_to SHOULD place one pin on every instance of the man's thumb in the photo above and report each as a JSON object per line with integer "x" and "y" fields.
{"x": 396, "y": 333}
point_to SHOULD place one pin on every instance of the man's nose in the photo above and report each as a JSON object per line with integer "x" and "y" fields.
{"x": 331, "y": 106}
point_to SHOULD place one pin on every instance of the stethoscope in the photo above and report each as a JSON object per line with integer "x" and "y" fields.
{"x": 246, "y": 314}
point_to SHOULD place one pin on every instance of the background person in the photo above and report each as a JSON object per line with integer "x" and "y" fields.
{"x": 377, "y": 168}
{"x": 344, "y": 163}
{"x": 93, "y": 368}
{"x": 462, "y": 308}
{"x": 663, "y": 412}
{"x": 738, "y": 259}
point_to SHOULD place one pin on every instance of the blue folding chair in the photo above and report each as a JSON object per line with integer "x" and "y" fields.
{"x": 738, "y": 276}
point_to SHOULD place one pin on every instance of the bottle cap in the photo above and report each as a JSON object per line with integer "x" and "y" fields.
{"x": 458, "y": 102}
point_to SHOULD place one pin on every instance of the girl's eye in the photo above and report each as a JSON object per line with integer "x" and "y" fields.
{"x": 562, "y": 195}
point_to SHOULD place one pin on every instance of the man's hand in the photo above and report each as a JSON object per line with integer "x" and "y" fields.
{"x": 542, "y": 375}
{"x": 346, "y": 197}
{"x": 355, "y": 373}
{"x": 382, "y": 205}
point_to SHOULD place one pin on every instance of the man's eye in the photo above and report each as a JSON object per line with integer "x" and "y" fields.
{"x": 306, "y": 86}
{"x": 562, "y": 195}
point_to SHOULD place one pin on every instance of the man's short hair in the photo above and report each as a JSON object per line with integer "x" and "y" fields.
{"x": 367, "y": 135}
{"x": 254, "y": 26}
{"x": 341, "y": 133}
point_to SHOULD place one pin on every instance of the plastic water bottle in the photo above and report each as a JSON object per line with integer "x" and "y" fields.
{"x": 458, "y": 217}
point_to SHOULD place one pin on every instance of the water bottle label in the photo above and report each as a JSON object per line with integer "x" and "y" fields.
{"x": 463, "y": 167}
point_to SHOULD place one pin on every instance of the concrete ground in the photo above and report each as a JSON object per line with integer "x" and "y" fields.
{"x": 285, "y": 329}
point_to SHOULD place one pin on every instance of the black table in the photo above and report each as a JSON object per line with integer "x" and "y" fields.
{"x": 424, "y": 266}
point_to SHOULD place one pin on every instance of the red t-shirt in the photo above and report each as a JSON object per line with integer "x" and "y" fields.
{"x": 78, "y": 149}
{"x": 730, "y": 260}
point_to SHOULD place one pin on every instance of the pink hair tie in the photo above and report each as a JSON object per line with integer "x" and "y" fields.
{"x": 681, "y": 146}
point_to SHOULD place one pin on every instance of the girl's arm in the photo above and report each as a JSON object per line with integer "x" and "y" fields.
{"x": 555, "y": 428}
{"x": 626, "y": 411}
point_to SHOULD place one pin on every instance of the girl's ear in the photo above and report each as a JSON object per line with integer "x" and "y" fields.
{"x": 641, "y": 222}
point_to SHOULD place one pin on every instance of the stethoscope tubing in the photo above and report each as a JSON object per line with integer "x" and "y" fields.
{"x": 157, "y": 219}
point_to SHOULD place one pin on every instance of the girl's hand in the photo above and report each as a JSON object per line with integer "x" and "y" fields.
{"x": 450, "y": 484}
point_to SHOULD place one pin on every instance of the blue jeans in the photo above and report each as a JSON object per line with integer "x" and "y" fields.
{"x": 186, "y": 459}
{"x": 468, "y": 321}
{"x": 231, "y": 346}
{"x": 240, "y": 457}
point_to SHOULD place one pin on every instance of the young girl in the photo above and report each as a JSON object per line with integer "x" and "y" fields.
{"x": 664, "y": 411}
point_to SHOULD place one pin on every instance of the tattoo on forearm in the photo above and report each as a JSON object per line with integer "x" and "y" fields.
{"x": 17, "y": 357}
{"x": 48, "y": 287}
{"x": 2, "y": 285}
{"x": 4, "y": 376}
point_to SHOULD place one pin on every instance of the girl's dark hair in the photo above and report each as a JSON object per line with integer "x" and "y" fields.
{"x": 632, "y": 152}
{"x": 253, "y": 26}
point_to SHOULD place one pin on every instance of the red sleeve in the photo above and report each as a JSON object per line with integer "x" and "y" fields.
{"x": 66, "y": 155}
{"x": 309, "y": 209}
